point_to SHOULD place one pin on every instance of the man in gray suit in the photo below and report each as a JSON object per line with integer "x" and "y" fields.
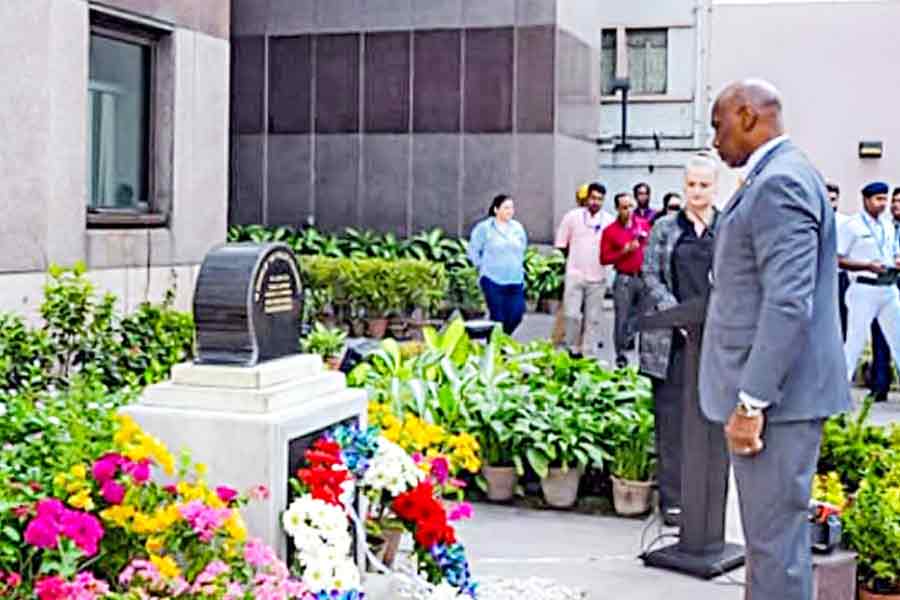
{"x": 772, "y": 364}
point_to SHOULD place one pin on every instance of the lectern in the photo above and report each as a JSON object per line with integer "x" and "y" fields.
{"x": 701, "y": 550}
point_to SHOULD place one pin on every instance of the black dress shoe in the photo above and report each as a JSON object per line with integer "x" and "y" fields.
{"x": 621, "y": 362}
{"x": 576, "y": 355}
{"x": 881, "y": 396}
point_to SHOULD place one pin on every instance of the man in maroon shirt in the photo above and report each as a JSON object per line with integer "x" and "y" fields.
{"x": 622, "y": 245}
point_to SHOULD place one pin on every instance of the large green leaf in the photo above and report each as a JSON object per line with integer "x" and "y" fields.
{"x": 538, "y": 461}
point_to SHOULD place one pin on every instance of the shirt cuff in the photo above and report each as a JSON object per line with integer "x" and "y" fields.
{"x": 746, "y": 398}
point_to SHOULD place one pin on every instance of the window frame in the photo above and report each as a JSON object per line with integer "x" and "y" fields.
{"x": 621, "y": 39}
{"x": 120, "y": 29}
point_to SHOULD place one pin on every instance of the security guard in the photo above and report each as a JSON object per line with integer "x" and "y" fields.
{"x": 867, "y": 247}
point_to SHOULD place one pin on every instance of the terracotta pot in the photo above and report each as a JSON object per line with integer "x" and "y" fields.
{"x": 501, "y": 482}
{"x": 333, "y": 363}
{"x": 865, "y": 594}
{"x": 561, "y": 487}
{"x": 631, "y": 498}
{"x": 377, "y": 328}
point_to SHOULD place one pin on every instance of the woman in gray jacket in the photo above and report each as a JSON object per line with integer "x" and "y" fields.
{"x": 676, "y": 268}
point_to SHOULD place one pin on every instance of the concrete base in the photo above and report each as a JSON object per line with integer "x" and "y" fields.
{"x": 240, "y": 422}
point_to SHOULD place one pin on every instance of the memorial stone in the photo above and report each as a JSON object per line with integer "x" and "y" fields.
{"x": 250, "y": 404}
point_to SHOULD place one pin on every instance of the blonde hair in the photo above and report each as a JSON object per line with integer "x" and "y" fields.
{"x": 704, "y": 160}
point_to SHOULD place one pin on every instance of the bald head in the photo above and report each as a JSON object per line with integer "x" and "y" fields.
{"x": 746, "y": 115}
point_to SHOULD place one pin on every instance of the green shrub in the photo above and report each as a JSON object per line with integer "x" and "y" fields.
{"x": 872, "y": 529}
{"x": 375, "y": 287}
{"x": 324, "y": 341}
{"x": 83, "y": 333}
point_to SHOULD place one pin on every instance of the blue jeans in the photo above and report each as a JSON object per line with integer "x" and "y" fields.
{"x": 506, "y": 303}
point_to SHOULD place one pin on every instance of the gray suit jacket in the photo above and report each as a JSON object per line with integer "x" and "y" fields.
{"x": 772, "y": 327}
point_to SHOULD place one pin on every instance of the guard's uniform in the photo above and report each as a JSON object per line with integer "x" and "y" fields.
{"x": 863, "y": 238}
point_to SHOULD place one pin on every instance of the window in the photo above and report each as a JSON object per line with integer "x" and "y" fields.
{"x": 608, "y": 57}
{"x": 647, "y": 60}
{"x": 120, "y": 116}
{"x": 646, "y": 57}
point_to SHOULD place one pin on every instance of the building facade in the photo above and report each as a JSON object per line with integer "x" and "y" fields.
{"x": 115, "y": 143}
{"x": 661, "y": 47}
{"x": 401, "y": 115}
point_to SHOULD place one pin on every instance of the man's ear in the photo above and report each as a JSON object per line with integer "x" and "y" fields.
{"x": 748, "y": 117}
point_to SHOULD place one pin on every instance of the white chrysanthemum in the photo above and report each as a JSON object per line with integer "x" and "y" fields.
{"x": 346, "y": 576}
{"x": 318, "y": 575}
{"x": 392, "y": 469}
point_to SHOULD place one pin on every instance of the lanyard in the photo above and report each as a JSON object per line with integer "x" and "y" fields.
{"x": 597, "y": 227}
{"x": 881, "y": 241}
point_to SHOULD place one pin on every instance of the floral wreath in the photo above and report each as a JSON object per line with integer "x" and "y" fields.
{"x": 408, "y": 489}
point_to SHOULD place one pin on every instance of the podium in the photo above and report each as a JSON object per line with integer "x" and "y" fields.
{"x": 701, "y": 550}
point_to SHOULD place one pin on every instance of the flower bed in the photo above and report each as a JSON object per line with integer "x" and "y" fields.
{"x": 505, "y": 404}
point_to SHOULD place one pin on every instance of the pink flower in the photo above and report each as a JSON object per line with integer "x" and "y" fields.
{"x": 203, "y": 519}
{"x": 87, "y": 587}
{"x": 458, "y": 484}
{"x": 171, "y": 489}
{"x": 106, "y": 467}
{"x": 259, "y": 492}
{"x": 83, "y": 529}
{"x": 113, "y": 492}
{"x": 50, "y": 508}
{"x": 208, "y": 576}
{"x": 42, "y": 532}
{"x": 52, "y": 588}
{"x": 13, "y": 579}
{"x": 440, "y": 469}
{"x": 417, "y": 457}
{"x": 226, "y": 494}
{"x": 463, "y": 510}
{"x": 139, "y": 471}
{"x": 257, "y": 554}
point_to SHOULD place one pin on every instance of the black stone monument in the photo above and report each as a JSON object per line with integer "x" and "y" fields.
{"x": 701, "y": 549}
{"x": 247, "y": 304}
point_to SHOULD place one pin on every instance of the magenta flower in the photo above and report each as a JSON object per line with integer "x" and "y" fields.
{"x": 259, "y": 492}
{"x": 440, "y": 469}
{"x": 226, "y": 494}
{"x": 463, "y": 510}
{"x": 139, "y": 471}
{"x": 42, "y": 532}
{"x": 50, "y": 508}
{"x": 203, "y": 519}
{"x": 52, "y": 588}
{"x": 113, "y": 492}
{"x": 13, "y": 579}
{"x": 83, "y": 529}
{"x": 106, "y": 467}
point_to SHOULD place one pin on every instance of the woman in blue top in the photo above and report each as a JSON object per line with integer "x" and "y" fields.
{"x": 497, "y": 248}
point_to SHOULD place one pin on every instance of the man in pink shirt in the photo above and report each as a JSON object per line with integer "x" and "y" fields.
{"x": 579, "y": 237}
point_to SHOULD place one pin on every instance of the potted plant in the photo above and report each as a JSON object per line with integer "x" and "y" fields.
{"x": 551, "y": 282}
{"x": 871, "y": 529}
{"x": 560, "y": 443}
{"x": 535, "y": 269}
{"x": 465, "y": 292}
{"x": 633, "y": 464}
{"x": 326, "y": 342}
{"x": 492, "y": 420}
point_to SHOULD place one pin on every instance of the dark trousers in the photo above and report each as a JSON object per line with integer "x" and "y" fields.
{"x": 626, "y": 296}
{"x": 667, "y": 400}
{"x": 843, "y": 285}
{"x": 506, "y": 303}
{"x": 774, "y": 489}
{"x": 880, "y": 373}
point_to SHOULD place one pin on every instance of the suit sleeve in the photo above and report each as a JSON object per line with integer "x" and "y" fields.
{"x": 786, "y": 235}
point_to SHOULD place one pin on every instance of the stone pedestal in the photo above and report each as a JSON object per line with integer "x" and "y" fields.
{"x": 250, "y": 425}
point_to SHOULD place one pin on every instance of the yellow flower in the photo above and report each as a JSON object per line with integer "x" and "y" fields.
{"x": 82, "y": 500}
{"x": 143, "y": 523}
{"x": 118, "y": 515}
{"x": 127, "y": 429}
{"x": 59, "y": 480}
{"x": 154, "y": 545}
{"x": 79, "y": 471}
{"x": 235, "y": 527}
{"x": 201, "y": 469}
{"x": 166, "y": 565}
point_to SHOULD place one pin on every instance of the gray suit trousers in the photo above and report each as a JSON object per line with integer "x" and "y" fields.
{"x": 774, "y": 490}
